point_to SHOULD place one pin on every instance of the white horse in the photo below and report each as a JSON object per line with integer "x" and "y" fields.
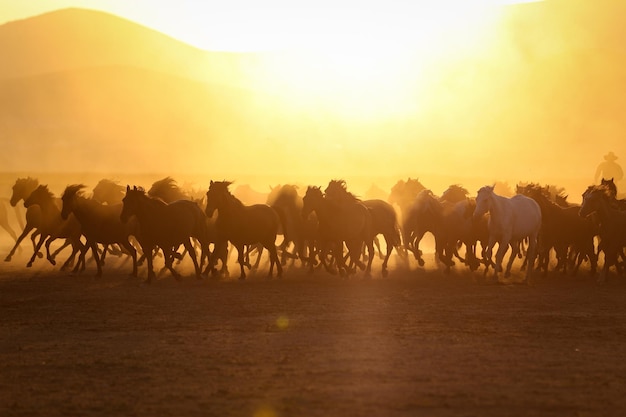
{"x": 510, "y": 221}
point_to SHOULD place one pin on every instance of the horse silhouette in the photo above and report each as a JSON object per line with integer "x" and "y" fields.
{"x": 166, "y": 226}
{"x": 598, "y": 200}
{"x": 403, "y": 194}
{"x": 563, "y": 231}
{"x": 286, "y": 201}
{"x": 4, "y": 219}
{"x": 100, "y": 224}
{"x": 383, "y": 215}
{"x": 340, "y": 222}
{"x": 52, "y": 226}
{"x": 242, "y": 225}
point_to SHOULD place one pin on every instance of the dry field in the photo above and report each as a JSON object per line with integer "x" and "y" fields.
{"x": 416, "y": 343}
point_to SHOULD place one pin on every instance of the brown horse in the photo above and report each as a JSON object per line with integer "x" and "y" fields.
{"x": 384, "y": 220}
{"x": 166, "y": 226}
{"x": 348, "y": 222}
{"x": 288, "y": 204}
{"x": 242, "y": 225}
{"x": 563, "y": 230}
{"x": 52, "y": 226}
{"x": 22, "y": 188}
{"x": 100, "y": 224}
{"x": 403, "y": 194}
{"x": 612, "y": 222}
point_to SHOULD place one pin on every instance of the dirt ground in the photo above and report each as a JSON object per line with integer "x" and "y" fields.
{"x": 417, "y": 343}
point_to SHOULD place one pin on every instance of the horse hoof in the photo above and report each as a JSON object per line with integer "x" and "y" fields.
{"x": 39, "y": 255}
{"x": 420, "y": 262}
{"x": 7, "y": 259}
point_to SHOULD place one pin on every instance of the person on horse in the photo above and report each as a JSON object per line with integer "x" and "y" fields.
{"x": 609, "y": 169}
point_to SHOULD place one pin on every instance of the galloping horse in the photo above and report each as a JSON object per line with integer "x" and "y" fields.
{"x": 564, "y": 230}
{"x": 339, "y": 222}
{"x": 612, "y": 232}
{"x": 403, "y": 194}
{"x": 166, "y": 226}
{"x": 384, "y": 220}
{"x": 52, "y": 226}
{"x": 100, "y": 223}
{"x": 22, "y": 188}
{"x": 242, "y": 225}
{"x": 510, "y": 220}
{"x": 288, "y": 204}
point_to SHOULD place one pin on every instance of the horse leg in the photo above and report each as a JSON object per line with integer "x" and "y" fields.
{"x": 39, "y": 244}
{"x": 514, "y": 252}
{"x": 531, "y": 253}
{"x": 271, "y": 248}
{"x": 149, "y": 252}
{"x": 389, "y": 245}
{"x": 133, "y": 254}
{"x": 503, "y": 246}
{"x": 194, "y": 259}
{"x": 241, "y": 255}
{"x": 24, "y": 233}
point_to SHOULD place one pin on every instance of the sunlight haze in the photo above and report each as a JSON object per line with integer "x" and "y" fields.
{"x": 452, "y": 89}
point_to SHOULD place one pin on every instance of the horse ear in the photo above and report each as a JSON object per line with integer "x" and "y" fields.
{"x": 127, "y": 188}
{"x": 211, "y": 183}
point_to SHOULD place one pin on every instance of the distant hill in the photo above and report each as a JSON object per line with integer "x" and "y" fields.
{"x": 72, "y": 38}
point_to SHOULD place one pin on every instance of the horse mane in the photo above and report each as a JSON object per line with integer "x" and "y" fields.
{"x": 167, "y": 189}
{"x": 339, "y": 189}
{"x": 74, "y": 190}
{"x": 43, "y": 190}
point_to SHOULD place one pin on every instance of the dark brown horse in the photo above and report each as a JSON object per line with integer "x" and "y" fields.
{"x": 340, "y": 222}
{"x": 166, "y": 226}
{"x": 242, "y": 225}
{"x": 21, "y": 190}
{"x": 384, "y": 220}
{"x": 612, "y": 225}
{"x": 52, "y": 226}
{"x": 100, "y": 224}
{"x": 563, "y": 230}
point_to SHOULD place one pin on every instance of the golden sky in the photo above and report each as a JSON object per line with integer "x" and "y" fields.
{"x": 248, "y": 25}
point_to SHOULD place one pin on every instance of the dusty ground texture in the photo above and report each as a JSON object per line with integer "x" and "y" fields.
{"x": 416, "y": 343}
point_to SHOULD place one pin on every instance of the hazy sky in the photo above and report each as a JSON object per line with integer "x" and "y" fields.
{"x": 253, "y": 25}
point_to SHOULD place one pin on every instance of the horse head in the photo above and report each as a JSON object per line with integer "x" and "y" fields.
{"x": 311, "y": 200}
{"x": 216, "y": 196}
{"x": 610, "y": 185}
{"x": 69, "y": 198}
{"x": 22, "y": 188}
{"x": 131, "y": 202}
{"x": 483, "y": 201}
{"x": 40, "y": 196}
{"x": 593, "y": 198}
{"x": 454, "y": 194}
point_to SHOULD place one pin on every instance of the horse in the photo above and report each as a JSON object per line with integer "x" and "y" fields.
{"x": 511, "y": 219}
{"x": 100, "y": 223}
{"x": 242, "y": 225}
{"x": 108, "y": 191}
{"x": 612, "y": 225}
{"x": 52, "y": 226}
{"x": 22, "y": 188}
{"x": 338, "y": 222}
{"x": 612, "y": 192}
{"x": 403, "y": 194}
{"x": 563, "y": 230}
{"x": 166, "y": 226}
{"x": 288, "y": 204}
{"x": 384, "y": 219}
